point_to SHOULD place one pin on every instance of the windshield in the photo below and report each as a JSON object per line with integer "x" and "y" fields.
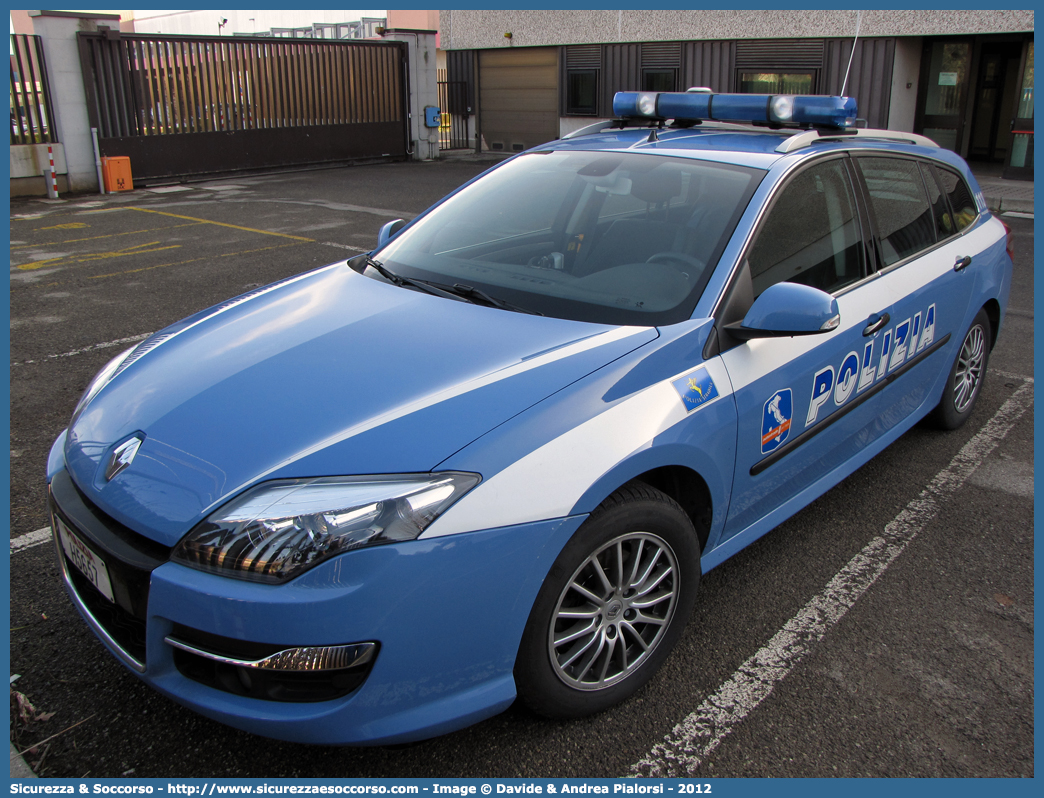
{"x": 608, "y": 237}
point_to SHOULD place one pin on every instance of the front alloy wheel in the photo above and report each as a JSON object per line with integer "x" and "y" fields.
{"x": 612, "y": 606}
{"x": 613, "y": 612}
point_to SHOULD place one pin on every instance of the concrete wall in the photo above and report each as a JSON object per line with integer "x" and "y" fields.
{"x": 415, "y": 19}
{"x": 424, "y": 90}
{"x": 64, "y": 75}
{"x": 477, "y": 29}
{"x": 29, "y": 169}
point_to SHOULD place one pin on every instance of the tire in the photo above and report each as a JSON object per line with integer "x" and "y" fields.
{"x": 599, "y": 631}
{"x": 964, "y": 382}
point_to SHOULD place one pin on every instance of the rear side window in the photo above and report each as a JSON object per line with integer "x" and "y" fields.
{"x": 905, "y": 224}
{"x": 811, "y": 235}
{"x": 961, "y": 200}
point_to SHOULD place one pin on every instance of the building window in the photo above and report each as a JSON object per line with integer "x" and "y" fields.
{"x": 582, "y": 92}
{"x": 659, "y": 80}
{"x": 758, "y": 82}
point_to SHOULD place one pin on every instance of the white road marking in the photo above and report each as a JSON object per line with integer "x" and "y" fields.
{"x": 1018, "y": 214}
{"x": 37, "y": 538}
{"x": 1009, "y": 376}
{"x": 344, "y": 246}
{"x": 691, "y": 741}
{"x": 132, "y": 339}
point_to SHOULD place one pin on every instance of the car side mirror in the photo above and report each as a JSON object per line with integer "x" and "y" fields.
{"x": 388, "y": 231}
{"x": 786, "y": 309}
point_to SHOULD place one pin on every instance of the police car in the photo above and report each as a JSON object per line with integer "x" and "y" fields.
{"x": 377, "y": 502}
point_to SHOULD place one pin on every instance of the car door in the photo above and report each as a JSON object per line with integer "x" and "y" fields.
{"x": 807, "y": 405}
{"x": 927, "y": 263}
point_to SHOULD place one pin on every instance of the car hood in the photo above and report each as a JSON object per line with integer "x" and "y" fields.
{"x": 329, "y": 373}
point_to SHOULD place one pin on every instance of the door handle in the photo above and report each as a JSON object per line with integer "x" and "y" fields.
{"x": 962, "y": 263}
{"x": 875, "y": 323}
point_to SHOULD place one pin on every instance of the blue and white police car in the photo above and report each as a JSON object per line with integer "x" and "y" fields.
{"x": 378, "y": 501}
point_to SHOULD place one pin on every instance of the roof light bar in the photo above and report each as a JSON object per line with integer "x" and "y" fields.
{"x": 776, "y": 109}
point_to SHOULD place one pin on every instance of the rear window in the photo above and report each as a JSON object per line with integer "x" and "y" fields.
{"x": 961, "y": 200}
{"x": 617, "y": 238}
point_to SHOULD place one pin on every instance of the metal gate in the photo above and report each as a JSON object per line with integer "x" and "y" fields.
{"x": 180, "y": 106}
{"x": 453, "y": 100}
{"x": 30, "y": 95}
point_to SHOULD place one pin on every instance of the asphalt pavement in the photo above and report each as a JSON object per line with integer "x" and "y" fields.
{"x": 931, "y": 674}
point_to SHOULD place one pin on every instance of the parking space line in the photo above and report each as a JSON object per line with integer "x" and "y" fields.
{"x": 137, "y": 249}
{"x": 92, "y": 348}
{"x": 28, "y": 541}
{"x": 193, "y": 260}
{"x": 107, "y": 235}
{"x": 700, "y": 733}
{"x": 223, "y": 224}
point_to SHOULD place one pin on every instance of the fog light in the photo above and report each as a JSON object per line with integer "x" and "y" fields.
{"x": 302, "y": 659}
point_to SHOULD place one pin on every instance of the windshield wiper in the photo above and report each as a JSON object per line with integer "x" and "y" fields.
{"x": 457, "y": 291}
{"x": 481, "y": 297}
{"x": 400, "y": 280}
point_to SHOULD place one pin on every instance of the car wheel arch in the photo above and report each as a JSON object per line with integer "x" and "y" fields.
{"x": 993, "y": 313}
{"x": 698, "y": 493}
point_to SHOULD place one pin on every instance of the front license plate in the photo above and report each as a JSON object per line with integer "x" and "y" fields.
{"x": 86, "y": 561}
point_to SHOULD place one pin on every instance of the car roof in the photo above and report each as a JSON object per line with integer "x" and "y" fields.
{"x": 735, "y": 145}
{"x": 747, "y": 145}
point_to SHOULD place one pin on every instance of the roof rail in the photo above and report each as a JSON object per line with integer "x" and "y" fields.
{"x": 810, "y": 137}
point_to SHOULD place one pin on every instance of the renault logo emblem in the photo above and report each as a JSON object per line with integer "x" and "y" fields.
{"x": 122, "y": 456}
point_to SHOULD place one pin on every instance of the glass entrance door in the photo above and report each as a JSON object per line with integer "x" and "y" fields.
{"x": 994, "y": 103}
{"x": 1020, "y": 159}
{"x": 944, "y": 93}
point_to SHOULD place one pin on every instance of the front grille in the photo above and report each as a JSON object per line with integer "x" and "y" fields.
{"x": 125, "y": 629}
{"x": 129, "y": 559}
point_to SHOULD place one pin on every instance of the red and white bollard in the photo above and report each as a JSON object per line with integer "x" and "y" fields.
{"x": 52, "y": 185}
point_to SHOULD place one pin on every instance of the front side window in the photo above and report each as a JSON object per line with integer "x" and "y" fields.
{"x": 610, "y": 237}
{"x": 900, "y": 206}
{"x": 811, "y": 234}
{"x": 582, "y": 91}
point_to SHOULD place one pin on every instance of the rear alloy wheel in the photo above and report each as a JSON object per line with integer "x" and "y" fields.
{"x": 612, "y": 607}
{"x": 965, "y": 380}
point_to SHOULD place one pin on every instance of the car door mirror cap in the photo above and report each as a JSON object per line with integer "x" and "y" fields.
{"x": 787, "y": 309}
{"x": 388, "y": 231}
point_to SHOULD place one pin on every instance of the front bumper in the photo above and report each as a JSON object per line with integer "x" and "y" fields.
{"x": 447, "y": 615}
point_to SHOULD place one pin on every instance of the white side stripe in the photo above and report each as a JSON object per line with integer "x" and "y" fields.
{"x": 692, "y": 740}
{"x": 548, "y": 481}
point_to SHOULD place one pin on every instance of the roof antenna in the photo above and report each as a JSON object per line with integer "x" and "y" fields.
{"x": 859, "y": 17}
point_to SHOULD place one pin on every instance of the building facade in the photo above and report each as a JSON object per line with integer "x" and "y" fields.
{"x": 962, "y": 78}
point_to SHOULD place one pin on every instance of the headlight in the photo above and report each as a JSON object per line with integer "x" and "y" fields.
{"x": 280, "y": 529}
{"x": 100, "y": 380}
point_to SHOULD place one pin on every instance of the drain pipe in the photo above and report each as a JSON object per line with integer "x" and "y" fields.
{"x": 97, "y": 161}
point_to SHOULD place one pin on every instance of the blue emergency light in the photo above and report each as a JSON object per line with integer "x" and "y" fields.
{"x": 773, "y": 109}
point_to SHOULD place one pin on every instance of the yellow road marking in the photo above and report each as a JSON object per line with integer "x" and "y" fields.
{"x": 108, "y": 235}
{"x": 137, "y": 249}
{"x": 224, "y": 224}
{"x": 68, "y": 226}
{"x": 190, "y": 260}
